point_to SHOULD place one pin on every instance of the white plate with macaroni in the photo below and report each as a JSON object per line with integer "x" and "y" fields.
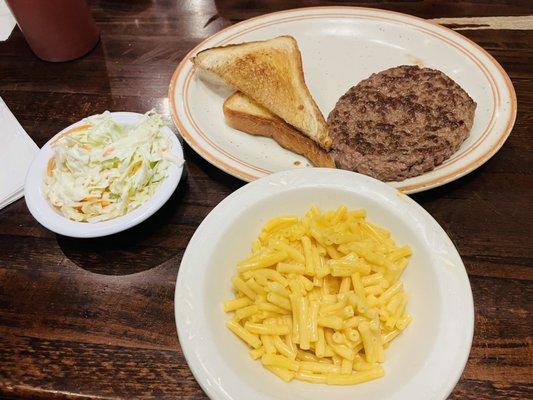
{"x": 424, "y": 361}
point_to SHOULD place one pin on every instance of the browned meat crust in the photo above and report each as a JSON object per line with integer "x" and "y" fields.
{"x": 400, "y": 123}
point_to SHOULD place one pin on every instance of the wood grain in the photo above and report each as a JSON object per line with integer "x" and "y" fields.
{"x": 94, "y": 318}
{"x": 473, "y": 23}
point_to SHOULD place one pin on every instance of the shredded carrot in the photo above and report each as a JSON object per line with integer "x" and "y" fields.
{"x": 50, "y": 166}
{"x": 135, "y": 167}
{"x": 70, "y": 131}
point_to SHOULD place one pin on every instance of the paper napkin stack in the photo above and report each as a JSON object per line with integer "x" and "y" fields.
{"x": 7, "y": 22}
{"x": 17, "y": 151}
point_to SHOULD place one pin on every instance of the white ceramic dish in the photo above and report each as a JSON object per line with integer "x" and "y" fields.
{"x": 50, "y": 218}
{"x": 340, "y": 46}
{"x": 424, "y": 363}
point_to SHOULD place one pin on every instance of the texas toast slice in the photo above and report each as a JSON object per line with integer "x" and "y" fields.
{"x": 270, "y": 72}
{"x": 244, "y": 114}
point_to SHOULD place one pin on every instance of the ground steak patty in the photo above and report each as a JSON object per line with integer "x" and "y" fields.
{"x": 400, "y": 122}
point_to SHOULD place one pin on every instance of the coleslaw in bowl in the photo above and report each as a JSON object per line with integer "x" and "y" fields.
{"x": 104, "y": 169}
{"x": 104, "y": 174}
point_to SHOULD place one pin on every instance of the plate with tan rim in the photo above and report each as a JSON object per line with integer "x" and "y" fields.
{"x": 341, "y": 46}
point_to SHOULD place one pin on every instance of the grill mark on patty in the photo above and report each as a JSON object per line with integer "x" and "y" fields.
{"x": 400, "y": 122}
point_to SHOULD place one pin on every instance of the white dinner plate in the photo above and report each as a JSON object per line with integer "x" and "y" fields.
{"x": 340, "y": 46}
{"x": 423, "y": 363}
{"x": 50, "y": 218}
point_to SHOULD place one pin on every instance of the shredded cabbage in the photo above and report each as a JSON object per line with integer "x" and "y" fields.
{"x": 108, "y": 169}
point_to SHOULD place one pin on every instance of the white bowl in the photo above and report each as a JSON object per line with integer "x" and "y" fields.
{"x": 424, "y": 363}
{"x": 50, "y": 218}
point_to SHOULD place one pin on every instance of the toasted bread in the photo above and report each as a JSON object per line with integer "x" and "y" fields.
{"x": 244, "y": 114}
{"x": 270, "y": 72}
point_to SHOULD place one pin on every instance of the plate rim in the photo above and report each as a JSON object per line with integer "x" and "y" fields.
{"x": 238, "y": 172}
{"x": 35, "y": 200}
{"x": 184, "y": 295}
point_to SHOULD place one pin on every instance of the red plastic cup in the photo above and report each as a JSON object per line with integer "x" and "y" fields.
{"x": 56, "y": 30}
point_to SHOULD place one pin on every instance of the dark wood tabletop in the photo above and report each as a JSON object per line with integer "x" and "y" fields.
{"x": 94, "y": 318}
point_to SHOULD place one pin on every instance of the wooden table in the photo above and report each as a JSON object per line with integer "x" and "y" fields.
{"x": 94, "y": 318}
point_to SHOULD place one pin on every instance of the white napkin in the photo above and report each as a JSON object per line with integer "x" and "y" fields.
{"x": 17, "y": 151}
{"x": 7, "y": 21}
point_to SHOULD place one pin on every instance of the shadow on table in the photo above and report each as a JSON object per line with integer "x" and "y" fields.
{"x": 452, "y": 189}
{"x": 212, "y": 172}
{"x": 134, "y": 250}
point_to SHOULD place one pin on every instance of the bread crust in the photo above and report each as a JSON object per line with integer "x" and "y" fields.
{"x": 273, "y": 127}
{"x": 273, "y": 78}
